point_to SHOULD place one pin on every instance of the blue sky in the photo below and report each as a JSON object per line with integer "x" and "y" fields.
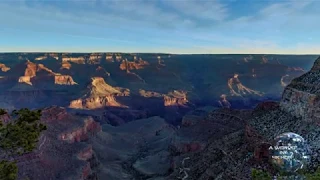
{"x": 172, "y": 26}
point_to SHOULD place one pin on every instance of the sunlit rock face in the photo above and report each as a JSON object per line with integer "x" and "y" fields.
{"x": 78, "y": 60}
{"x": 98, "y": 95}
{"x": 63, "y": 80}
{"x": 40, "y": 58}
{"x": 238, "y": 89}
{"x": 65, "y": 65}
{"x": 25, "y": 79}
{"x": 300, "y": 98}
{"x": 31, "y": 69}
{"x": 175, "y": 98}
{"x": 4, "y": 68}
{"x": 137, "y": 64}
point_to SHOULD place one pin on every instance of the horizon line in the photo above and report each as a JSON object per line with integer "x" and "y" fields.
{"x": 92, "y": 52}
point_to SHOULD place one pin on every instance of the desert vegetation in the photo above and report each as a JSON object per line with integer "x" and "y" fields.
{"x": 17, "y": 137}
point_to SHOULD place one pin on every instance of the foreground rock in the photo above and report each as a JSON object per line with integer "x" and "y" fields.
{"x": 62, "y": 151}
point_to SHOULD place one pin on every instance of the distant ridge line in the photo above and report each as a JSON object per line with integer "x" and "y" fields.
{"x": 156, "y": 53}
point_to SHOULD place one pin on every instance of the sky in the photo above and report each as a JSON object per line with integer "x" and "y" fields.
{"x": 166, "y": 26}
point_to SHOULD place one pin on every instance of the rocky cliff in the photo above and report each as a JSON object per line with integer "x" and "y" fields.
{"x": 172, "y": 98}
{"x": 64, "y": 80}
{"x": 56, "y": 158}
{"x": 25, "y": 79}
{"x": 31, "y": 69}
{"x": 175, "y": 98}
{"x": 137, "y": 64}
{"x": 238, "y": 89}
{"x": 44, "y": 77}
{"x": 98, "y": 95}
{"x": 301, "y": 97}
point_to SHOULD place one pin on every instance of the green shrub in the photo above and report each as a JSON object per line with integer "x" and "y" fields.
{"x": 18, "y": 137}
{"x": 21, "y": 135}
{"x": 257, "y": 174}
{"x": 8, "y": 170}
{"x": 313, "y": 176}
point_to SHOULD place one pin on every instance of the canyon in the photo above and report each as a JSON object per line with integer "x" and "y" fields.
{"x": 159, "y": 116}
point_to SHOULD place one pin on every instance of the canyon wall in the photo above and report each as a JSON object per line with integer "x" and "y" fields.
{"x": 301, "y": 97}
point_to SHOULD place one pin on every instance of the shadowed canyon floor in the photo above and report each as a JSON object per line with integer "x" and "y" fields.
{"x": 158, "y": 116}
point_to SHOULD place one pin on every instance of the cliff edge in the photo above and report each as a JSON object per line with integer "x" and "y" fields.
{"x": 301, "y": 97}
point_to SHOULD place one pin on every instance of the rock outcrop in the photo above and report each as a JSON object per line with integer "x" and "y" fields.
{"x": 64, "y": 80}
{"x": 147, "y": 94}
{"x": 316, "y": 65}
{"x": 109, "y": 58}
{"x": 175, "y": 98}
{"x": 292, "y": 72}
{"x": 55, "y": 158}
{"x": 238, "y": 89}
{"x": 82, "y": 133}
{"x": 99, "y": 95}
{"x": 138, "y": 149}
{"x": 43, "y": 76}
{"x": 40, "y": 58}
{"x": 31, "y": 69}
{"x": 135, "y": 65}
{"x": 4, "y": 68}
{"x": 301, "y": 97}
{"x": 224, "y": 102}
{"x": 25, "y": 79}
{"x": 65, "y": 65}
{"x": 78, "y": 60}
{"x": 94, "y": 59}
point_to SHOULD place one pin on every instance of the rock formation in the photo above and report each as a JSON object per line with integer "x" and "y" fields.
{"x": 65, "y": 65}
{"x": 40, "y": 74}
{"x": 94, "y": 59}
{"x": 4, "y": 68}
{"x": 63, "y": 80}
{"x": 109, "y": 58}
{"x": 99, "y": 95}
{"x": 118, "y": 58}
{"x": 292, "y": 72}
{"x": 238, "y": 89}
{"x": 56, "y": 157}
{"x": 54, "y": 55}
{"x": 40, "y": 58}
{"x": 78, "y": 60}
{"x": 175, "y": 98}
{"x": 147, "y": 94}
{"x": 224, "y": 102}
{"x": 135, "y": 65}
{"x": 31, "y": 69}
{"x": 300, "y": 98}
{"x": 25, "y": 79}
